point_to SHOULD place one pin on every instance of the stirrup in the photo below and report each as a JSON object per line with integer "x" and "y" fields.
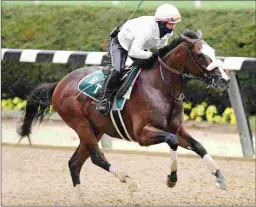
{"x": 104, "y": 106}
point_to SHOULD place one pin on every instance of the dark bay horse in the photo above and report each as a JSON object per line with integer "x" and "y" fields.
{"x": 152, "y": 115}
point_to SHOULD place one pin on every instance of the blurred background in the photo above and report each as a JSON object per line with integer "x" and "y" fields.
{"x": 147, "y": 4}
{"x": 228, "y": 26}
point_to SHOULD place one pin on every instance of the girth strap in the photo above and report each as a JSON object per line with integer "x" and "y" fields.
{"x": 118, "y": 123}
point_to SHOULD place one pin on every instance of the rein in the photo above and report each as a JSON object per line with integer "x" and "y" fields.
{"x": 182, "y": 75}
{"x": 181, "y": 96}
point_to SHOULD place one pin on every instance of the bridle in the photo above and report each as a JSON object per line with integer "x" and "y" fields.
{"x": 183, "y": 76}
{"x": 201, "y": 69}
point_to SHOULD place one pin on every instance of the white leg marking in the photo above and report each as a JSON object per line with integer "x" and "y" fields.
{"x": 211, "y": 164}
{"x": 174, "y": 163}
{"x": 121, "y": 176}
{"x": 79, "y": 194}
{"x": 132, "y": 185}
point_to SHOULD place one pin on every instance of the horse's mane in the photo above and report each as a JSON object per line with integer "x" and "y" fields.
{"x": 148, "y": 63}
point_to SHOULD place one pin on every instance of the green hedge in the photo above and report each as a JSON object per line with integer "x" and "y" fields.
{"x": 86, "y": 28}
{"x": 232, "y": 33}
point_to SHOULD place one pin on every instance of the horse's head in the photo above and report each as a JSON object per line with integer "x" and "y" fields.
{"x": 201, "y": 62}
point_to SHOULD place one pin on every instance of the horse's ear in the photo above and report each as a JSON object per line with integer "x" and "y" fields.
{"x": 185, "y": 38}
{"x": 199, "y": 33}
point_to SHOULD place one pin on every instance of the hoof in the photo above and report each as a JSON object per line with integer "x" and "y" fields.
{"x": 133, "y": 186}
{"x": 220, "y": 180}
{"x": 172, "y": 179}
{"x": 170, "y": 184}
{"x": 221, "y": 184}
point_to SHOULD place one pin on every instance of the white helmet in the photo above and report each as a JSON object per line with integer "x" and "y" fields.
{"x": 167, "y": 13}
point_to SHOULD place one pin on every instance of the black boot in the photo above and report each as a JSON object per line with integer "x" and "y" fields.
{"x": 108, "y": 94}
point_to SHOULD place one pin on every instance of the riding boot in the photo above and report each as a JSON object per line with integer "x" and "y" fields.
{"x": 110, "y": 87}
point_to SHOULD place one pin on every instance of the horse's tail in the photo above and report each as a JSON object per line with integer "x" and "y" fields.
{"x": 38, "y": 106}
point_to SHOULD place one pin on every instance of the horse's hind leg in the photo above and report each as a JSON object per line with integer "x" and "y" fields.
{"x": 89, "y": 148}
{"x": 75, "y": 165}
{"x": 76, "y": 162}
{"x": 83, "y": 129}
{"x": 99, "y": 159}
{"x": 186, "y": 141}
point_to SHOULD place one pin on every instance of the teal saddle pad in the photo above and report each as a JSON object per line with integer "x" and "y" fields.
{"x": 92, "y": 85}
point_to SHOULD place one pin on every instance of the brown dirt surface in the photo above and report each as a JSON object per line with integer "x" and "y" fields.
{"x": 40, "y": 177}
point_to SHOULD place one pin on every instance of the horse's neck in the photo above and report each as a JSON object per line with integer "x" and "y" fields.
{"x": 172, "y": 84}
{"x": 174, "y": 80}
{"x": 154, "y": 79}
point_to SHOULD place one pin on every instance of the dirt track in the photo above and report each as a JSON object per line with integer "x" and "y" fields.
{"x": 37, "y": 177}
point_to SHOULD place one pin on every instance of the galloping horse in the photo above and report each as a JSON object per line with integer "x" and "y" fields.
{"x": 152, "y": 115}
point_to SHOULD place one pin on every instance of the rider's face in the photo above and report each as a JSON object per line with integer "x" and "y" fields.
{"x": 171, "y": 25}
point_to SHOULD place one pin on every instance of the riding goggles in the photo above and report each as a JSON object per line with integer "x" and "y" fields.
{"x": 174, "y": 19}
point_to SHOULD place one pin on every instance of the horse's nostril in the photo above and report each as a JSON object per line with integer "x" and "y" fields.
{"x": 223, "y": 81}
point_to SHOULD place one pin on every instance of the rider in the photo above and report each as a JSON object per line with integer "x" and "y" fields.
{"x": 134, "y": 39}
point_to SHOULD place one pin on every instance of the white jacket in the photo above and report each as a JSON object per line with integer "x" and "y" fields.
{"x": 141, "y": 34}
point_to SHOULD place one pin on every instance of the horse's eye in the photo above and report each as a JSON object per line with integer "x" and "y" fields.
{"x": 201, "y": 56}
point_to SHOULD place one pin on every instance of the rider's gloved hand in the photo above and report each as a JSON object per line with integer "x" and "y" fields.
{"x": 155, "y": 54}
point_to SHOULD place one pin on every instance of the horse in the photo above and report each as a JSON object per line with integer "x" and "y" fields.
{"x": 152, "y": 115}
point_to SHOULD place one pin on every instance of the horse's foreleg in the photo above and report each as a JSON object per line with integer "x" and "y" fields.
{"x": 172, "y": 178}
{"x": 186, "y": 141}
{"x": 151, "y": 136}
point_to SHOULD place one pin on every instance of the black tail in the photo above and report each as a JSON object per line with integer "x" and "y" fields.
{"x": 38, "y": 106}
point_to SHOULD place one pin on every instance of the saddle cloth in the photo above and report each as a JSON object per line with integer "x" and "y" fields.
{"x": 92, "y": 85}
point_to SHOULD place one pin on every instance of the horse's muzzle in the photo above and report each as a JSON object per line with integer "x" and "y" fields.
{"x": 222, "y": 84}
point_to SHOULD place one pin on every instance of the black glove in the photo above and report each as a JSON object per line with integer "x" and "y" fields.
{"x": 114, "y": 32}
{"x": 155, "y": 54}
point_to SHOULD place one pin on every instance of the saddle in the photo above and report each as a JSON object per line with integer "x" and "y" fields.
{"x": 92, "y": 84}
